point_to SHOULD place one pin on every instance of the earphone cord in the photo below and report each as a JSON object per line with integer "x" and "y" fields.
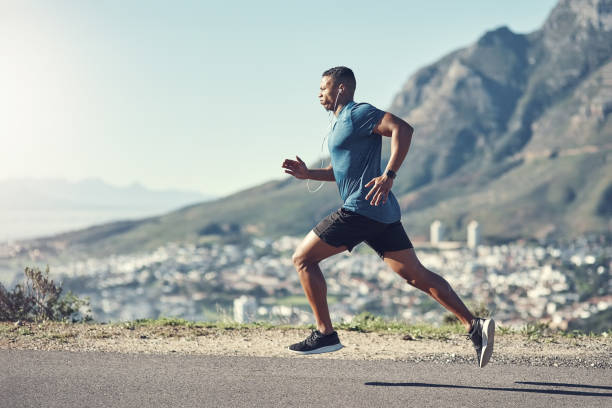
{"x": 330, "y": 116}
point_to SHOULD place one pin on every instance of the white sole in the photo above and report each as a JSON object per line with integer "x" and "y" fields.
{"x": 326, "y": 349}
{"x": 488, "y": 338}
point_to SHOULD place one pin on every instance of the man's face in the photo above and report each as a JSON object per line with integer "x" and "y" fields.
{"x": 327, "y": 93}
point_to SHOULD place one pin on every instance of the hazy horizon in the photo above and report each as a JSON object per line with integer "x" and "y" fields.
{"x": 33, "y": 208}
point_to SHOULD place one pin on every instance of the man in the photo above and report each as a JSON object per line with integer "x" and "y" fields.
{"x": 370, "y": 213}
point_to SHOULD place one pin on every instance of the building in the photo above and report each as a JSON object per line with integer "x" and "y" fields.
{"x": 436, "y": 232}
{"x": 245, "y": 309}
{"x": 473, "y": 234}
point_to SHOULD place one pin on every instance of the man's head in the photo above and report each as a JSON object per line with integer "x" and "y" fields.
{"x": 337, "y": 82}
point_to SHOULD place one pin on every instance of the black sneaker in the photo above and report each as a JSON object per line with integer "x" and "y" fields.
{"x": 482, "y": 335}
{"x": 317, "y": 343}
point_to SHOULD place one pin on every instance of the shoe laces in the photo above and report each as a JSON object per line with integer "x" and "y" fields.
{"x": 474, "y": 331}
{"x": 313, "y": 336}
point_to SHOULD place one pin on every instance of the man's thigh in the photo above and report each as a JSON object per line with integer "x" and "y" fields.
{"x": 314, "y": 249}
{"x": 393, "y": 240}
{"x": 346, "y": 228}
{"x": 405, "y": 263}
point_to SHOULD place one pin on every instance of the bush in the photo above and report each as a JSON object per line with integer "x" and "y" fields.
{"x": 39, "y": 299}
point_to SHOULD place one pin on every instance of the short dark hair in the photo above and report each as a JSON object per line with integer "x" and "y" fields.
{"x": 342, "y": 75}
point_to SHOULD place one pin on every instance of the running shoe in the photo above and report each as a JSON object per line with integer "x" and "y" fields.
{"x": 317, "y": 343}
{"x": 482, "y": 336}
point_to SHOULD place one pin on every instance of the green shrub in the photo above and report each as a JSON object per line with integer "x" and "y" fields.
{"x": 38, "y": 298}
{"x": 537, "y": 330}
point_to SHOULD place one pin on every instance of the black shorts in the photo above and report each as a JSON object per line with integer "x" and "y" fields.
{"x": 345, "y": 227}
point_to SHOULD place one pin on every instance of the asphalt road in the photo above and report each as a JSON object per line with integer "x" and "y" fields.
{"x": 30, "y": 378}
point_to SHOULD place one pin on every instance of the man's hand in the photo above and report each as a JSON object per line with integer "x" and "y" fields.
{"x": 380, "y": 191}
{"x": 297, "y": 168}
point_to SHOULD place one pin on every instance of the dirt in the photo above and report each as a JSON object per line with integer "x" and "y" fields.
{"x": 510, "y": 348}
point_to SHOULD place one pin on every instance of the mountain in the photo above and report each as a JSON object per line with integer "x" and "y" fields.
{"x": 34, "y": 207}
{"x": 513, "y": 131}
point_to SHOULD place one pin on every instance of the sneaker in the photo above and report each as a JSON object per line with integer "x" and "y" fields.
{"x": 482, "y": 335}
{"x": 317, "y": 343}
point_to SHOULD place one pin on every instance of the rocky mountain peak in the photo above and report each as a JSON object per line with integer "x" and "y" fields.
{"x": 569, "y": 16}
{"x": 499, "y": 36}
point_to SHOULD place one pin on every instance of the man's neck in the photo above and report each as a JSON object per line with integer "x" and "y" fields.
{"x": 341, "y": 105}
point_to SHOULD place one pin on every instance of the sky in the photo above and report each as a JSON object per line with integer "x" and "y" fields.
{"x": 207, "y": 96}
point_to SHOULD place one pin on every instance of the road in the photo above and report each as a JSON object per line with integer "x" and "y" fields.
{"x": 31, "y": 378}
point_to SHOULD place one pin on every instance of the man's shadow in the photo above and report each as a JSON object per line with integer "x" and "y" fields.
{"x": 533, "y": 390}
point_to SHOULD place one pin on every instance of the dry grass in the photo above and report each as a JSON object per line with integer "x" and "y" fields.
{"x": 445, "y": 344}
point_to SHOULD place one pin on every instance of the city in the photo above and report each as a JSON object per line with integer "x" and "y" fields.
{"x": 518, "y": 282}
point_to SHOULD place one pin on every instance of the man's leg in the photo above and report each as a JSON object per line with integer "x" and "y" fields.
{"x": 306, "y": 259}
{"x": 407, "y": 265}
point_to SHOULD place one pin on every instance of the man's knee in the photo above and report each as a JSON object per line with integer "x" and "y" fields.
{"x": 417, "y": 276}
{"x": 301, "y": 260}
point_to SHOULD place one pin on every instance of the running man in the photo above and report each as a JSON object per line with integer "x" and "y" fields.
{"x": 370, "y": 213}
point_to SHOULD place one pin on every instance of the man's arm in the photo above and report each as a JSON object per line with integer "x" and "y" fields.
{"x": 326, "y": 174}
{"x": 297, "y": 168}
{"x": 400, "y": 133}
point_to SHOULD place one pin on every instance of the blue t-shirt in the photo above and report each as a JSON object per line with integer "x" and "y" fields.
{"x": 355, "y": 158}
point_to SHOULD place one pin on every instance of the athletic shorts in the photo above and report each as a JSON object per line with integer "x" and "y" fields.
{"x": 345, "y": 227}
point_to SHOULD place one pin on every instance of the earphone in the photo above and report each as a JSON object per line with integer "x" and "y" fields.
{"x": 331, "y": 127}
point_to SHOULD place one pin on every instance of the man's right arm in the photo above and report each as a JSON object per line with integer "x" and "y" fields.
{"x": 297, "y": 168}
{"x": 326, "y": 174}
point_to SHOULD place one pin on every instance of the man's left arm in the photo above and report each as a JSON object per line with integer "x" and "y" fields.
{"x": 400, "y": 133}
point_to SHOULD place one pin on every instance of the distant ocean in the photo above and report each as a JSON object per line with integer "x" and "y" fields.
{"x": 25, "y": 224}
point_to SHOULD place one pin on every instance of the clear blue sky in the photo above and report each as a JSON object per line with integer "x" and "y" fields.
{"x": 206, "y": 95}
